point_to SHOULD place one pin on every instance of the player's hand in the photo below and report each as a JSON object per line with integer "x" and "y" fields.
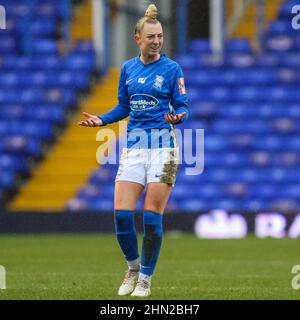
{"x": 90, "y": 121}
{"x": 174, "y": 118}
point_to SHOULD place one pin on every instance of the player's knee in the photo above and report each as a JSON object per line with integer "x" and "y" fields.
{"x": 154, "y": 208}
{"x": 155, "y": 204}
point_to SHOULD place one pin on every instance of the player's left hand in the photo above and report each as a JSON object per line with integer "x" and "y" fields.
{"x": 174, "y": 118}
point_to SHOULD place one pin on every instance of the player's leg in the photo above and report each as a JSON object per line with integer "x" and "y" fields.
{"x": 126, "y": 196}
{"x": 130, "y": 182}
{"x": 161, "y": 176}
{"x": 155, "y": 202}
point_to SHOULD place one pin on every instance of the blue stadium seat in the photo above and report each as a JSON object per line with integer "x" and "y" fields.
{"x": 253, "y": 205}
{"x": 268, "y": 60}
{"x": 20, "y": 145}
{"x": 101, "y": 205}
{"x": 239, "y": 60}
{"x": 8, "y": 44}
{"x": 228, "y": 204}
{"x": 44, "y": 46}
{"x": 280, "y": 44}
{"x": 7, "y": 180}
{"x": 281, "y": 27}
{"x": 14, "y": 163}
{"x": 84, "y": 46}
{"x": 291, "y": 60}
{"x": 76, "y": 205}
{"x": 194, "y": 205}
{"x": 238, "y": 45}
{"x": 42, "y": 28}
{"x": 80, "y": 62}
{"x": 210, "y": 61}
{"x": 200, "y": 46}
{"x": 187, "y": 62}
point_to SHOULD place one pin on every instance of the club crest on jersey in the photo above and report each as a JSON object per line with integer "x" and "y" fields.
{"x": 159, "y": 82}
{"x": 181, "y": 86}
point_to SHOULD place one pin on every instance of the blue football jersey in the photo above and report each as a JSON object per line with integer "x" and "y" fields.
{"x": 146, "y": 93}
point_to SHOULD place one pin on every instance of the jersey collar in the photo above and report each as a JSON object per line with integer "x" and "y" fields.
{"x": 162, "y": 56}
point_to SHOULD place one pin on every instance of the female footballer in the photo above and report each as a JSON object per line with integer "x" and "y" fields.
{"x": 152, "y": 92}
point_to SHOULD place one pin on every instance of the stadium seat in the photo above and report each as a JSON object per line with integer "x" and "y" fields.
{"x": 279, "y": 44}
{"x": 200, "y": 46}
{"x": 238, "y": 45}
{"x": 281, "y": 27}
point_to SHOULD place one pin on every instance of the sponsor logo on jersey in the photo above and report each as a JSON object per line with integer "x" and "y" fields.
{"x": 142, "y": 80}
{"x": 181, "y": 86}
{"x": 158, "y": 83}
{"x": 142, "y": 102}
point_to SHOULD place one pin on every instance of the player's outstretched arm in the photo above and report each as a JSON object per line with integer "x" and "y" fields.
{"x": 90, "y": 121}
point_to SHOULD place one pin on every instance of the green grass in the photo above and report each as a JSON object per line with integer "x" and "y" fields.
{"x": 91, "y": 267}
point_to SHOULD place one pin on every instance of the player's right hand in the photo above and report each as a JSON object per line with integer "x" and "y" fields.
{"x": 90, "y": 121}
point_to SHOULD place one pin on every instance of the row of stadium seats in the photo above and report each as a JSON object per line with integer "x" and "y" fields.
{"x": 232, "y": 61}
{"x": 208, "y": 192}
{"x": 40, "y": 9}
{"x": 243, "y": 93}
{"x": 208, "y": 110}
{"x": 278, "y": 42}
{"x": 262, "y": 126}
{"x": 77, "y": 61}
{"x": 39, "y": 28}
{"x": 46, "y": 79}
{"x": 248, "y": 105}
{"x": 38, "y": 96}
{"x": 252, "y": 76}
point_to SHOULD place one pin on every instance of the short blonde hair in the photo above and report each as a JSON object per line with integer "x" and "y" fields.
{"x": 149, "y": 17}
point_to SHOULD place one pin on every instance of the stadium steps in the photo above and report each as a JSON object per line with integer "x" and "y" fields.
{"x": 82, "y": 22}
{"x": 247, "y": 26}
{"x": 70, "y": 162}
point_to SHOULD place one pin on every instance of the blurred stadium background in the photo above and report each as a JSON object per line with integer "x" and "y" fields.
{"x": 241, "y": 60}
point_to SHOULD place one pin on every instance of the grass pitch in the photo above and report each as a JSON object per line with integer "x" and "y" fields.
{"x": 90, "y": 266}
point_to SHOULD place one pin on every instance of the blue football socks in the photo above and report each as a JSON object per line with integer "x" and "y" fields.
{"x": 153, "y": 232}
{"x": 126, "y": 233}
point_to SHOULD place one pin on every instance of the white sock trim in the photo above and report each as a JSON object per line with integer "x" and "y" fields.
{"x": 145, "y": 277}
{"x": 134, "y": 264}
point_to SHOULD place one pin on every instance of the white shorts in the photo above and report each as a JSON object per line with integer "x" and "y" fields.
{"x": 149, "y": 165}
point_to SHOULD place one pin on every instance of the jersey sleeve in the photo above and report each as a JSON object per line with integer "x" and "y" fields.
{"x": 122, "y": 109}
{"x": 179, "y": 98}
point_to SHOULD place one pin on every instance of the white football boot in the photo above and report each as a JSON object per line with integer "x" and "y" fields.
{"x": 129, "y": 282}
{"x": 142, "y": 289}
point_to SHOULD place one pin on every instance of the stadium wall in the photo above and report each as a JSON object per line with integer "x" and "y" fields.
{"x": 215, "y": 224}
